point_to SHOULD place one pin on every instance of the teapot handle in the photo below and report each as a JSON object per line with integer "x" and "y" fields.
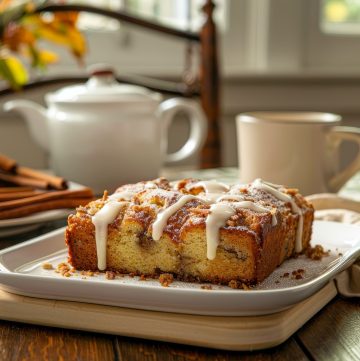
{"x": 198, "y": 126}
{"x": 337, "y": 135}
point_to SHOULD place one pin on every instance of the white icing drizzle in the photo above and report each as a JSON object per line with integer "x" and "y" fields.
{"x": 163, "y": 216}
{"x": 211, "y": 186}
{"x": 150, "y": 185}
{"x": 231, "y": 197}
{"x": 260, "y": 184}
{"x": 219, "y": 214}
{"x": 126, "y": 195}
{"x": 101, "y": 220}
{"x": 210, "y": 198}
{"x": 239, "y": 202}
{"x": 278, "y": 186}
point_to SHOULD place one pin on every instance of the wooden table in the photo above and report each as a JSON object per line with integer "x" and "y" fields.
{"x": 333, "y": 334}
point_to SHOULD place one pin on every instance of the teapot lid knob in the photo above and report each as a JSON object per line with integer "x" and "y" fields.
{"x": 100, "y": 75}
{"x": 100, "y": 70}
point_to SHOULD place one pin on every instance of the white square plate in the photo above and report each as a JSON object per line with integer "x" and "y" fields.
{"x": 21, "y": 272}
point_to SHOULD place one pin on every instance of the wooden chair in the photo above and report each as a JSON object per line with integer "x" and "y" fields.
{"x": 207, "y": 85}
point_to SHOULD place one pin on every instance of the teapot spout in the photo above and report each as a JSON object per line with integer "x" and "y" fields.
{"x": 36, "y": 119}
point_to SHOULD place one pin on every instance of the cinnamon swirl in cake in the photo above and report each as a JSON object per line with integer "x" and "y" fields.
{"x": 196, "y": 230}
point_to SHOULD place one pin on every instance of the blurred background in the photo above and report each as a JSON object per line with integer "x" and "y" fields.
{"x": 274, "y": 55}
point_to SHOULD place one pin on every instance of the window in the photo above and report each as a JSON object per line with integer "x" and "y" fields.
{"x": 256, "y": 36}
{"x": 130, "y": 49}
{"x": 181, "y": 14}
{"x": 340, "y": 16}
{"x": 94, "y": 22}
{"x": 332, "y": 35}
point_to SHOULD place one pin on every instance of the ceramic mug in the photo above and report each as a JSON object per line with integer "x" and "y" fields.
{"x": 297, "y": 149}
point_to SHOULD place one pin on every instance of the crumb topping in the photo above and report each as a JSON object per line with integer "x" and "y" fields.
{"x": 298, "y": 274}
{"x": 110, "y": 275}
{"x": 64, "y": 269}
{"x": 47, "y": 266}
{"x": 206, "y": 287}
{"x": 316, "y": 253}
{"x": 166, "y": 279}
{"x": 152, "y": 197}
{"x": 235, "y": 284}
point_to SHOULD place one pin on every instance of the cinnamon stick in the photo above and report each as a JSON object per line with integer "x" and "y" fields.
{"x": 7, "y": 164}
{"x": 17, "y": 195}
{"x": 6, "y": 190}
{"x": 53, "y": 181}
{"x": 48, "y": 197}
{"x": 24, "y": 181}
{"x": 43, "y": 206}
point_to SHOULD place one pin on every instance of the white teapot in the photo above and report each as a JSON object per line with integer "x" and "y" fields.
{"x": 103, "y": 134}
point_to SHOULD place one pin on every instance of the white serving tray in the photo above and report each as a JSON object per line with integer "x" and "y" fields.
{"x": 228, "y": 333}
{"x": 21, "y": 273}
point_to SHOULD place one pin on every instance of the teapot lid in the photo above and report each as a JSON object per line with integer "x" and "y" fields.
{"x": 102, "y": 87}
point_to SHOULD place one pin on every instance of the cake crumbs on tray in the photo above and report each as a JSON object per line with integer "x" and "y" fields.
{"x": 89, "y": 273}
{"x": 47, "y": 266}
{"x": 64, "y": 269}
{"x": 238, "y": 285}
{"x": 316, "y": 253}
{"x": 166, "y": 279}
{"x": 110, "y": 275}
{"x": 206, "y": 287}
{"x": 294, "y": 275}
{"x": 298, "y": 274}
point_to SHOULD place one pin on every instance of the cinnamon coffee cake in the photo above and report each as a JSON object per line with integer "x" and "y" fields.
{"x": 195, "y": 230}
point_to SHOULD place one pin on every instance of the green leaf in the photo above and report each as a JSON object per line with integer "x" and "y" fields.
{"x": 13, "y": 71}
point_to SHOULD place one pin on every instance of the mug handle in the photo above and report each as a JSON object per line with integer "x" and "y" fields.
{"x": 198, "y": 126}
{"x": 338, "y": 135}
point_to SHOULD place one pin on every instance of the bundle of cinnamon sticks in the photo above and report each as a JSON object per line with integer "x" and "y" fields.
{"x": 24, "y": 191}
